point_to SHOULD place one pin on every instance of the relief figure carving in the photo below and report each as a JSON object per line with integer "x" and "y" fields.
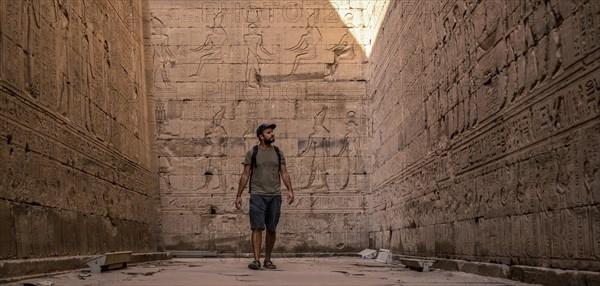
{"x": 62, "y": 78}
{"x": 591, "y": 181}
{"x": 306, "y": 47}
{"x": 563, "y": 176}
{"x": 215, "y": 135}
{"x": 213, "y": 44}
{"x": 317, "y": 147}
{"x": 351, "y": 152}
{"x": 344, "y": 50}
{"x": 163, "y": 57}
{"x": 256, "y": 53}
{"x": 210, "y": 182}
{"x": 31, "y": 20}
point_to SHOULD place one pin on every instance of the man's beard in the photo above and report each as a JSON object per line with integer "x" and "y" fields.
{"x": 270, "y": 140}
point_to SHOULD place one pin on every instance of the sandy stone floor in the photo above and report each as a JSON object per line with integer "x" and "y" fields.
{"x": 292, "y": 271}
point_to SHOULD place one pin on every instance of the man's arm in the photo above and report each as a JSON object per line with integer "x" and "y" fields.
{"x": 288, "y": 183}
{"x": 242, "y": 186}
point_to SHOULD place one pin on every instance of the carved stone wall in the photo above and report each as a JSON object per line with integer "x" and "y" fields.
{"x": 220, "y": 69}
{"x": 486, "y": 131}
{"x": 77, "y": 177}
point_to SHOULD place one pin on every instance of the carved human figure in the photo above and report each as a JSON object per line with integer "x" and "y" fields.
{"x": 344, "y": 50}
{"x": 563, "y": 176}
{"x": 591, "y": 182}
{"x": 539, "y": 192}
{"x": 212, "y": 171}
{"x": 162, "y": 58}
{"x": 350, "y": 152}
{"x": 249, "y": 135}
{"x": 215, "y": 135}
{"x": 318, "y": 148}
{"x": 213, "y": 44}
{"x": 306, "y": 47}
{"x": 88, "y": 77}
{"x": 256, "y": 53}
{"x": 31, "y": 20}
{"x": 62, "y": 79}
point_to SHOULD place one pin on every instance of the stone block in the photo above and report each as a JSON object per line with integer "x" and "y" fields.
{"x": 384, "y": 256}
{"x": 547, "y": 276}
{"x": 8, "y": 244}
{"x": 368, "y": 254}
{"x": 421, "y": 265}
{"x": 109, "y": 261}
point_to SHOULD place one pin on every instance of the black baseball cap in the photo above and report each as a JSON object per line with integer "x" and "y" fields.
{"x": 261, "y": 128}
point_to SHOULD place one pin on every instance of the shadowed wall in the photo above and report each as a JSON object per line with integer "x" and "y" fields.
{"x": 77, "y": 177}
{"x": 486, "y": 131}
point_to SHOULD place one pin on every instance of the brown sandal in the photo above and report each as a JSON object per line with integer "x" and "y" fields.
{"x": 269, "y": 265}
{"x": 254, "y": 265}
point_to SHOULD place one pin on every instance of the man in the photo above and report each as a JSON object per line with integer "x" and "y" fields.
{"x": 265, "y": 166}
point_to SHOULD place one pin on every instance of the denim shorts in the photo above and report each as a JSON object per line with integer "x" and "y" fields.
{"x": 264, "y": 210}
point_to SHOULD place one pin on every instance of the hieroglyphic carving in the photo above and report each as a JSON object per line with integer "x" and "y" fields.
{"x": 215, "y": 135}
{"x": 580, "y": 34}
{"x": 591, "y": 181}
{"x": 213, "y": 171}
{"x": 344, "y": 50}
{"x": 594, "y": 216}
{"x": 306, "y": 47}
{"x": 564, "y": 176}
{"x": 163, "y": 58}
{"x": 31, "y": 19}
{"x": 256, "y": 53}
{"x": 351, "y": 152}
{"x": 212, "y": 49}
{"x": 318, "y": 148}
{"x": 62, "y": 78}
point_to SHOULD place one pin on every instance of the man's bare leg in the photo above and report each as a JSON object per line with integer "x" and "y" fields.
{"x": 256, "y": 243}
{"x": 270, "y": 242}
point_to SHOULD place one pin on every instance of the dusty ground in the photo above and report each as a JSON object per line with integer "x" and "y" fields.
{"x": 291, "y": 271}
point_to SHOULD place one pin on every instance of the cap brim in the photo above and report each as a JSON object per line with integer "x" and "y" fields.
{"x": 272, "y": 126}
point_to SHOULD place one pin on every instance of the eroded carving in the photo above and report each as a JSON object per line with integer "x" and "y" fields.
{"x": 212, "y": 49}
{"x": 256, "y": 53}
{"x": 317, "y": 147}
{"x": 163, "y": 57}
{"x": 306, "y": 47}
{"x": 344, "y": 50}
{"x": 351, "y": 153}
{"x": 62, "y": 77}
{"x": 31, "y": 19}
{"x": 215, "y": 135}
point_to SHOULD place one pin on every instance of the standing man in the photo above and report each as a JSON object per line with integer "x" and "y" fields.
{"x": 265, "y": 166}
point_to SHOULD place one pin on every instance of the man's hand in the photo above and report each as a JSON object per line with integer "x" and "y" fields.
{"x": 238, "y": 202}
{"x": 290, "y": 198}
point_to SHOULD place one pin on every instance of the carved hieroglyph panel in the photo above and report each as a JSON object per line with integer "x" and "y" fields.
{"x": 76, "y": 165}
{"x": 497, "y": 151}
{"x": 222, "y": 68}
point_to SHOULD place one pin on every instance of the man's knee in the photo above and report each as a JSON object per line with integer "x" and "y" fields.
{"x": 271, "y": 232}
{"x": 258, "y": 230}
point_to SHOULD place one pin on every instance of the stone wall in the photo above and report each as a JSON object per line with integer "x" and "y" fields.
{"x": 486, "y": 131}
{"x": 223, "y": 67}
{"x": 77, "y": 174}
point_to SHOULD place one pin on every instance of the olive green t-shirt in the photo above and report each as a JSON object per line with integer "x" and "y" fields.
{"x": 265, "y": 178}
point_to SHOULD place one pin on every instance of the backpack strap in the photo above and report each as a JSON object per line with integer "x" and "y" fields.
{"x": 278, "y": 153}
{"x": 252, "y": 166}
